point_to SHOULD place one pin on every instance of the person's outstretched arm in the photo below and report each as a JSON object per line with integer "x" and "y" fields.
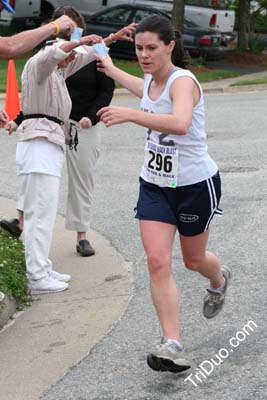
{"x": 15, "y": 46}
{"x": 184, "y": 94}
{"x": 130, "y": 82}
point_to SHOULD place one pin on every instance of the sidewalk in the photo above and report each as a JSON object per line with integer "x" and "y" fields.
{"x": 224, "y": 85}
{"x": 43, "y": 342}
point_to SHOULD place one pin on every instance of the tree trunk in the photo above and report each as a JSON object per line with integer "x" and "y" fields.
{"x": 178, "y": 14}
{"x": 243, "y": 23}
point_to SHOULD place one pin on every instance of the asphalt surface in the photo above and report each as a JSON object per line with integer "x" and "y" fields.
{"x": 116, "y": 367}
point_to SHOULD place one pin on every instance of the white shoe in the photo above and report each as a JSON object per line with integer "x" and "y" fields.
{"x": 2, "y": 297}
{"x": 46, "y": 285}
{"x": 59, "y": 277}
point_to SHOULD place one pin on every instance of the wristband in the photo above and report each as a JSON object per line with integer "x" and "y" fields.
{"x": 56, "y": 26}
{"x": 111, "y": 38}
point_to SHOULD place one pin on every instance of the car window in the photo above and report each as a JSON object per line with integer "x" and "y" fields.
{"x": 118, "y": 15}
{"x": 141, "y": 14}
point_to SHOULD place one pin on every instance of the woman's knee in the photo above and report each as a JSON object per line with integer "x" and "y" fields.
{"x": 158, "y": 264}
{"x": 193, "y": 263}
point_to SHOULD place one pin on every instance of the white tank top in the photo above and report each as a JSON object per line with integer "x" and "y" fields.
{"x": 193, "y": 163}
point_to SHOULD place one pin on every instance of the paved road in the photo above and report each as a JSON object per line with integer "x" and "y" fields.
{"x": 116, "y": 368}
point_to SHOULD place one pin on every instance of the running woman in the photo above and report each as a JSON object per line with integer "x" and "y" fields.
{"x": 180, "y": 185}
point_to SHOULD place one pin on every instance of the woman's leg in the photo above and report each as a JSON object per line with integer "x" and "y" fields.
{"x": 198, "y": 259}
{"x": 81, "y": 177}
{"x": 40, "y": 208}
{"x": 158, "y": 238}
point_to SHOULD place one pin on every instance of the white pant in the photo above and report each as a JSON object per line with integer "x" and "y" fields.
{"x": 39, "y": 200}
{"x": 81, "y": 166}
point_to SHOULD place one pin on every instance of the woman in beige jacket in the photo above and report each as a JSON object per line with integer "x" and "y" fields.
{"x": 46, "y": 107}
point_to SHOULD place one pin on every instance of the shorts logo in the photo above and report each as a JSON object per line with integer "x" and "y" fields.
{"x": 188, "y": 218}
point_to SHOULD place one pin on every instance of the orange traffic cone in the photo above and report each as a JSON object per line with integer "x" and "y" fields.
{"x": 12, "y": 106}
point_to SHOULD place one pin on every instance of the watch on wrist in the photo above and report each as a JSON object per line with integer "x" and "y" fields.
{"x": 111, "y": 37}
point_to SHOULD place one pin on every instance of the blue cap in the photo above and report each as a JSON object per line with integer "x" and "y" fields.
{"x": 7, "y": 6}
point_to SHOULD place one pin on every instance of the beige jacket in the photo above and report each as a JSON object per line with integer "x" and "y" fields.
{"x": 44, "y": 91}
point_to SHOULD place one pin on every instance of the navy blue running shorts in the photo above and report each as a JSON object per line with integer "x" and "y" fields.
{"x": 191, "y": 208}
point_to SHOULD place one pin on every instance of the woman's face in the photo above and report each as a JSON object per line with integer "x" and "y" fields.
{"x": 152, "y": 53}
{"x": 64, "y": 63}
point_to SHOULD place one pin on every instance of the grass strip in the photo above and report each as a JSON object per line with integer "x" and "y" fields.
{"x": 13, "y": 280}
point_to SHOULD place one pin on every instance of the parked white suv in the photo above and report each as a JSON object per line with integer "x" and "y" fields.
{"x": 210, "y": 14}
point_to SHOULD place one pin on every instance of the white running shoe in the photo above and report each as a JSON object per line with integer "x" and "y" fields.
{"x": 46, "y": 285}
{"x": 59, "y": 277}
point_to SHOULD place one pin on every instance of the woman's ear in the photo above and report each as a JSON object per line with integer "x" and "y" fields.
{"x": 171, "y": 45}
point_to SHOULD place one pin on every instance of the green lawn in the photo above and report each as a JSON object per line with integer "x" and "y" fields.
{"x": 129, "y": 66}
{"x": 3, "y": 72}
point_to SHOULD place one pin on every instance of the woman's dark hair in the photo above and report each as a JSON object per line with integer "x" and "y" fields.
{"x": 163, "y": 27}
{"x": 72, "y": 13}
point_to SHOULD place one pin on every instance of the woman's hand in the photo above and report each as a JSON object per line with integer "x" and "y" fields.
{"x": 11, "y": 127}
{"x": 90, "y": 40}
{"x": 104, "y": 64}
{"x": 114, "y": 115}
{"x": 126, "y": 33}
{"x": 85, "y": 123}
{"x": 4, "y": 118}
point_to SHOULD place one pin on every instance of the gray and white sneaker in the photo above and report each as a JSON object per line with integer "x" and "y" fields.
{"x": 168, "y": 357}
{"x": 214, "y": 300}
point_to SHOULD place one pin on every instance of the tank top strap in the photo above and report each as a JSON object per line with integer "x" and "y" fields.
{"x": 177, "y": 73}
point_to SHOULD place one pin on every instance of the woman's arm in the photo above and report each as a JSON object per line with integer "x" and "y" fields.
{"x": 81, "y": 59}
{"x": 130, "y": 82}
{"x": 182, "y": 93}
{"x": 45, "y": 61}
{"x": 125, "y": 33}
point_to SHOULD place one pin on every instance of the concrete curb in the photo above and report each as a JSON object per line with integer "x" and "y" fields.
{"x": 235, "y": 89}
{"x": 8, "y": 308}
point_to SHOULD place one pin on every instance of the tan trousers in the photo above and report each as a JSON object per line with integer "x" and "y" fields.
{"x": 81, "y": 165}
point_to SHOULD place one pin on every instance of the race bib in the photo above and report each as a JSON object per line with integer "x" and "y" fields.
{"x": 161, "y": 163}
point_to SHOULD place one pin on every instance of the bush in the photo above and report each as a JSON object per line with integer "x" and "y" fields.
{"x": 257, "y": 45}
{"x": 13, "y": 280}
{"x": 260, "y": 24}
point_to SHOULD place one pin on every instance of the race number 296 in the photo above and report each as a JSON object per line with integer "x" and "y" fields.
{"x": 160, "y": 162}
